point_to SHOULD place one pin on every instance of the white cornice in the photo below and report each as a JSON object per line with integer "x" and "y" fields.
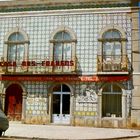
{"x": 136, "y": 73}
{"x": 24, "y": 3}
{"x": 68, "y": 12}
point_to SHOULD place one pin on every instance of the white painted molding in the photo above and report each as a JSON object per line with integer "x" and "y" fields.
{"x": 68, "y": 12}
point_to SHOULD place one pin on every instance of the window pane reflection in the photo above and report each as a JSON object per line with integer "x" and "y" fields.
{"x": 16, "y": 37}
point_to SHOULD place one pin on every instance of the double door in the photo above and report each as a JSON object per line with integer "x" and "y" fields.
{"x": 13, "y": 102}
{"x": 61, "y": 108}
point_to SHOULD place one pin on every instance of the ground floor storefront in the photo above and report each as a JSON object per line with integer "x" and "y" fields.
{"x": 72, "y": 100}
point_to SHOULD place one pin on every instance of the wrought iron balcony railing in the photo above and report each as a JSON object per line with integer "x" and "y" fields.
{"x": 112, "y": 63}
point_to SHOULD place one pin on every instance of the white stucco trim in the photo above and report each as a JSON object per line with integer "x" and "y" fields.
{"x": 136, "y": 73}
{"x": 68, "y": 12}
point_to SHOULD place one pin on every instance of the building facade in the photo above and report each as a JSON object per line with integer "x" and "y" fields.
{"x": 66, "y": 63}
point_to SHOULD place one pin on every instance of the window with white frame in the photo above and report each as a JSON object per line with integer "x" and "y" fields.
{"x": 62, "y": 46}
{"x": 112, "y": 49}
{"x": 63, "y": 43}
{"x": 16, "y": 50}
{"x": 112, "y": 45}
{"x": 112, "y": 101}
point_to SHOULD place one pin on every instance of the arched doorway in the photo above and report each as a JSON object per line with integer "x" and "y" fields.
{"x": 61, "y": 104}
{"x": 13, "y": 102}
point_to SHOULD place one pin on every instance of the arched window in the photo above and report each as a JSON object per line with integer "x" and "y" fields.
{"x": 16, "y": 49}
{"x": 16, "y": 37}
{"x": 112, "y": 50}
{"x": 62, "y": 48}
{"x": 112, "y": 46}
{"x": 112, "y": 101}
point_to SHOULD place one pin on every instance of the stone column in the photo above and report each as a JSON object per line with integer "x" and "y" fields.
{"x": 124, "y": 110}
{"x": 100, "y": 58}
{"x": 2, "y": 101}
{"x": 124, "y": 57}
{"x": 99, "y": 109}
{"x": 50, "y": 107}
{"x": 51, "y": 57}
{"x": 26, "y": 56}
{"x": 124, "y": 105}
{"x": 3, "y": 98}
{"x": 23, "y": 117}
{"x": 73, "y": 68}
{"x": 72, "y": 105}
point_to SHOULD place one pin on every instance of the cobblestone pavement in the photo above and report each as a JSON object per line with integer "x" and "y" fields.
{"x": 49, "y": 132}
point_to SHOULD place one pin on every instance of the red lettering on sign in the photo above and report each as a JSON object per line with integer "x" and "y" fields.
{"x": 34, "y": 63}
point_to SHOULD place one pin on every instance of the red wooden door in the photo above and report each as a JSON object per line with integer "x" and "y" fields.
{"x": 13, "y": 102}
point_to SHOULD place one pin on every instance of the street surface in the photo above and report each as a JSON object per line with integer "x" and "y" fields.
{"x": 49, "y": 132}
{"x": 5, "y": 138}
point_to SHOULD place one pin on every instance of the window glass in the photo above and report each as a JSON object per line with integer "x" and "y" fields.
{"x": 62, "y": 52}
{"x": 57, "y": 88}
{"x": 65, "y": 88}
{"x": 66, "y": 104}
{"x": 66, "y": 36}
{"x": 112, "y": 47}
{"x": 58, "y": 51}
{"x": 111, "y": 105}
{"x": 62, "y": 36}
{"x": 107, "y": 48}
{"x": 117, "y": 48}
{"x": 107, "y": 88}
{"x": 58, "y": 36}
{"x": 112, "y": 101}
{"x": 111, "y": 34}
{"x": 20, "y": 52}
{"x": 16, "y": 51}
{"x": 16, "y": 37}
{"x": 112, "y": 88}
{"x": 61, "y": 88}
{"x": 11, "y": 53}
{"x": 67, "y": 51}
{"x": 56, "y": 104}
{"x": 116, "y": 88}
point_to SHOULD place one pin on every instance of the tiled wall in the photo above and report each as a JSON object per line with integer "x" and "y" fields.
{"x": 86, "y": 26}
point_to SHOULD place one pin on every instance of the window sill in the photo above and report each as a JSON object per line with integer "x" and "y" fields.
{"x": 113, "y": 73}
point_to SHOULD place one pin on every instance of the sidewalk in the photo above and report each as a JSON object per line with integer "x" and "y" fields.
{"x": 67, "y": 132}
